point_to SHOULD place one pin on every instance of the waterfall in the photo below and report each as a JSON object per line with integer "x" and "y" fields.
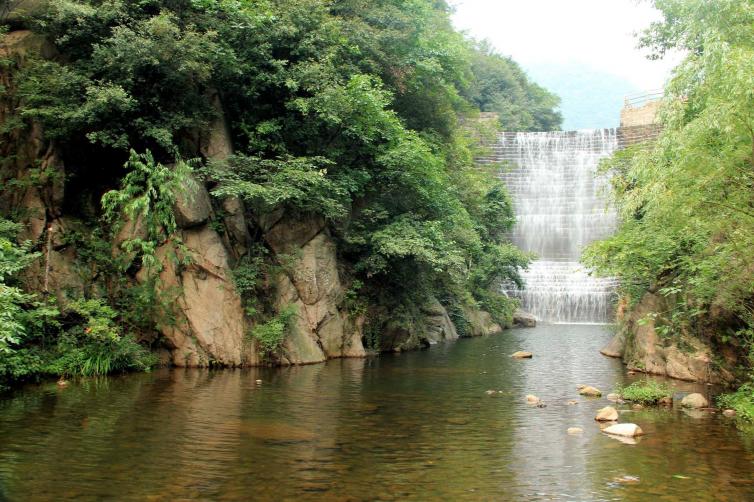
{"x": 560, "y": 207}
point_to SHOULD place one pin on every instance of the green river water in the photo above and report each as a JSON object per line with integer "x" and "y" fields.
{"x": 412, "y": 426}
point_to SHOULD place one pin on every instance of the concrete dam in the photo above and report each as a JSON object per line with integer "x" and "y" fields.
{"x": 562, "y": 204}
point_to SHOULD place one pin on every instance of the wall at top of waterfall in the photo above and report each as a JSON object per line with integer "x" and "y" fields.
{"x": 559, "y": 200}
{"x": 561, "y": 206}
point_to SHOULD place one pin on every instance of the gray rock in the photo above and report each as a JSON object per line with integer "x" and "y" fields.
{"x": 192, "y": 206}
{"x": 524, "y": 319}
{"x": 590, "y": 391}
{"x": 694, "y": 400}
{"x": 607, "y": 414}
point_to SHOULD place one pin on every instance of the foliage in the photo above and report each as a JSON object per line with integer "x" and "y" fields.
{"x": 359, "y": 112}
{"x": 36, "y": 338}
{"x": 687, "y": 229}
{"x": 145, "y": 201}
{"x": 500, "y": 85}
{"x": 742, "y": 401}
{"x": 270, "y": 334}
{"x": 94, "y": 345}
{"x": 645, "y": 392}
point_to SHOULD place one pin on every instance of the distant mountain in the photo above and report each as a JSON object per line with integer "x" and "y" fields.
{"x": 590, "y": 98}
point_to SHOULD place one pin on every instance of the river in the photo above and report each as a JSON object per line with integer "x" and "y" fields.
{"x": 411, "y": 426}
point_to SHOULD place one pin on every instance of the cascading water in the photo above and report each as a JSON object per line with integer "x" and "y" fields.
{"x": 560, "y": 207}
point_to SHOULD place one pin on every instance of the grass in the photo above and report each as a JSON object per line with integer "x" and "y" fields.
{"x": 742, "y": 401}
{"x": 645, "y": 392}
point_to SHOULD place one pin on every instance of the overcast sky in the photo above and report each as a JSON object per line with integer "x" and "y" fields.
{"x": 597, "y": 33}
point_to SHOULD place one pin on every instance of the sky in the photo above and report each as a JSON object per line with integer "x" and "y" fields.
{"x": 594, "y": 38}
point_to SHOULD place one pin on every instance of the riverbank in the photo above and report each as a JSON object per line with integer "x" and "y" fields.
{"x": 409, "y": 426}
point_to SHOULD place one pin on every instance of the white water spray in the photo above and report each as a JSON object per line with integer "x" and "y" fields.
{"x": 560, "y": 207}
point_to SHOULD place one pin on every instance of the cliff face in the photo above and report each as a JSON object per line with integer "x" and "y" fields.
{"x": 204, "y": 322}
{"x": 682, "y": 355}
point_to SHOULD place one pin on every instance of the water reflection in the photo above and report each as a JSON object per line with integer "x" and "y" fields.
{"x": 416, "y": 426}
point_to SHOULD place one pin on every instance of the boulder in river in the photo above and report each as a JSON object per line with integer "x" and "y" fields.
{"x": 532, "y": 399}
{"x": 575, "y": 430}
{"x": 590, "y": 391}
{"x": 625, "y": 430}
{"x": 524, "y": 319}
{"x": 607, "y": 414}
{"x": 522, "y": 354}
{"x": 694, "y": 400}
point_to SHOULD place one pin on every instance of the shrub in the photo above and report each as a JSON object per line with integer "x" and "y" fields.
{"x": 271, "y": 334}
{"x": 742, "y": 401}
{"x": 645, "y": 392}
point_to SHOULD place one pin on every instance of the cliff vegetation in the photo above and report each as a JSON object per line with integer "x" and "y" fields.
{"x": 232, "y": 182}
{"x": 684, "y": 251}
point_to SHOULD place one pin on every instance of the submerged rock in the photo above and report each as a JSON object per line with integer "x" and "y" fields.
{"x": 607, "y": 414}
{"x": 521, "y": 354}
{"x": 575, "y": 430}
{"x": 590, "y": 391}
{"x": 625, "y": 430}
{"x": 613, "y": 397}
{"x": 694, "y": 400}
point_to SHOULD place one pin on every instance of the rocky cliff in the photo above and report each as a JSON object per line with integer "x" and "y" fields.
{"x": 204, "y": 322}
{"x": 678, "y": 354}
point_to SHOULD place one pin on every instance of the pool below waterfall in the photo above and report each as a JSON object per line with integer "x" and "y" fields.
{"x": 411, "y": 426}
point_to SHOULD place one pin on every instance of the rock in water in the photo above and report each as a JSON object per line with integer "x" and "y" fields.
{"x": 607, "y": 414}
{"x": 522, "y": 355}
{"x": 625, "y": 430}
{"x": 524, "y": 319}
{"x": 590, "y": 391}
{"x": 613, "y": 397}
{"x": 694, "y": 400}
{"x": 575, "y": 430}
{"x": 532, "y": 399}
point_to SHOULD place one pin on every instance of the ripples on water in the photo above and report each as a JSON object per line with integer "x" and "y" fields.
{"x": 415, "y": 426}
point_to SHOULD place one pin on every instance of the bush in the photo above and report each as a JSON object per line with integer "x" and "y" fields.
{"x": 645, "y": 392}
{"x": 94, "y": 344}
{"x": 742, "y": 401}
{"x": 271, "y": 334}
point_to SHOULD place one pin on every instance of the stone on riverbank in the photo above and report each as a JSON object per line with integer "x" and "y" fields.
{"x": 729, "y": 413}
{"x": 613, "y": 397}
{"x": 607, "y": 414}
{"x": 625, "y": 430}
{"x": 694, "y": 400}
{"x": 522, "y": 354}
{"x": 590, "y": 391}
